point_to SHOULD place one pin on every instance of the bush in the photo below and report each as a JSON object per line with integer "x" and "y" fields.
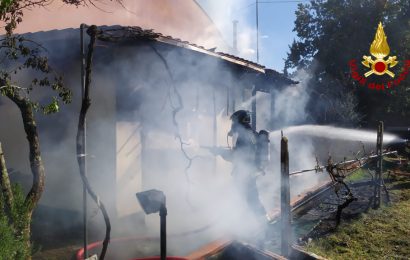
{"x": 8, "y": 243}
{"x": 13, "y": 244}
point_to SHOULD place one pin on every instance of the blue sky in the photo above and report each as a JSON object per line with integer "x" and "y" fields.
{"x": 276, "y": 22}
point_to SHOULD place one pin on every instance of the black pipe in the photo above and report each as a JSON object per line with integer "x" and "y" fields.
{"x": 163, "y": 231}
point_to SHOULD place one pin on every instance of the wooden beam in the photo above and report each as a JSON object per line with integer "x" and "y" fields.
{"x": 285, "y": 199}
{"x": 379, "y": 170}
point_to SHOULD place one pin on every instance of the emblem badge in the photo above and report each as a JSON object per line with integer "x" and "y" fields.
{"x": 379, "y": 49}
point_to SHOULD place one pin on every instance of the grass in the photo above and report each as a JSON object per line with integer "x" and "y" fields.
{"x": 377, "y": 234}
{"x": 358, "y": 175}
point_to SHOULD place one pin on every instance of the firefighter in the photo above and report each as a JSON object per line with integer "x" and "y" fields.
{"x": 243, "y": 157}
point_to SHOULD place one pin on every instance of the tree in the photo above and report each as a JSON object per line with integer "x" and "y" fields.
{"x": 330, "y": 33}
{"x": 18, "y": 55}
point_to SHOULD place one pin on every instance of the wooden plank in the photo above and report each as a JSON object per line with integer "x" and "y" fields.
{"x": 285, "y": 198}
{"x": 379, "y": 170}
{"x": 209, "y": 249}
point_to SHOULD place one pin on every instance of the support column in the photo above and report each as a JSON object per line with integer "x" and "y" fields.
{"x": 253, "y": 121}
{"x": 272, "y": 109}
{"x": 228, "y": 101}
{"x": 215, "y": 128}
{"x": 233, "y": 100}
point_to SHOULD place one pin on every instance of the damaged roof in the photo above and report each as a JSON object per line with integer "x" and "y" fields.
{"x": 118, "y": 33}
{"x": 114, "y": 33}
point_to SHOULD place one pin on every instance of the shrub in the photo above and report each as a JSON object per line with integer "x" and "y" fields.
{"x": 13, "y": 244}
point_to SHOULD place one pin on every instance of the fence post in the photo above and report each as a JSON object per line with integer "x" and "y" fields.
{"x": 285, "y": 199}
{"x": 379, "y": 170}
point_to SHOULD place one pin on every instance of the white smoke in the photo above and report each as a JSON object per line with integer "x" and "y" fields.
{"x": 224, "y": 15}
{"x": 132, "y": 90}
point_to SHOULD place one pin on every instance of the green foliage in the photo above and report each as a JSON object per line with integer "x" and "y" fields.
{"x": 4, "y": 5}
{"x": 332, "y": 32}
{"x": 13, "y": 244}
{"x": 52, "y": 107}
{"x": 8, "y": 245}
{"x": 21, "y": 55}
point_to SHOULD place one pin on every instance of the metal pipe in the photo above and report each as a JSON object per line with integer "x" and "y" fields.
{"x": 257, "y": 31}
{"x": 163, "y": 231}
{"x": 84, "y": 140}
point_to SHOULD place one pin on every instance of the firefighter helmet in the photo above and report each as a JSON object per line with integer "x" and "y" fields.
{"x": 242, "y": 117}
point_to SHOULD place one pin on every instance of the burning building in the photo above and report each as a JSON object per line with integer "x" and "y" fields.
{"x": 156, "y": 100}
